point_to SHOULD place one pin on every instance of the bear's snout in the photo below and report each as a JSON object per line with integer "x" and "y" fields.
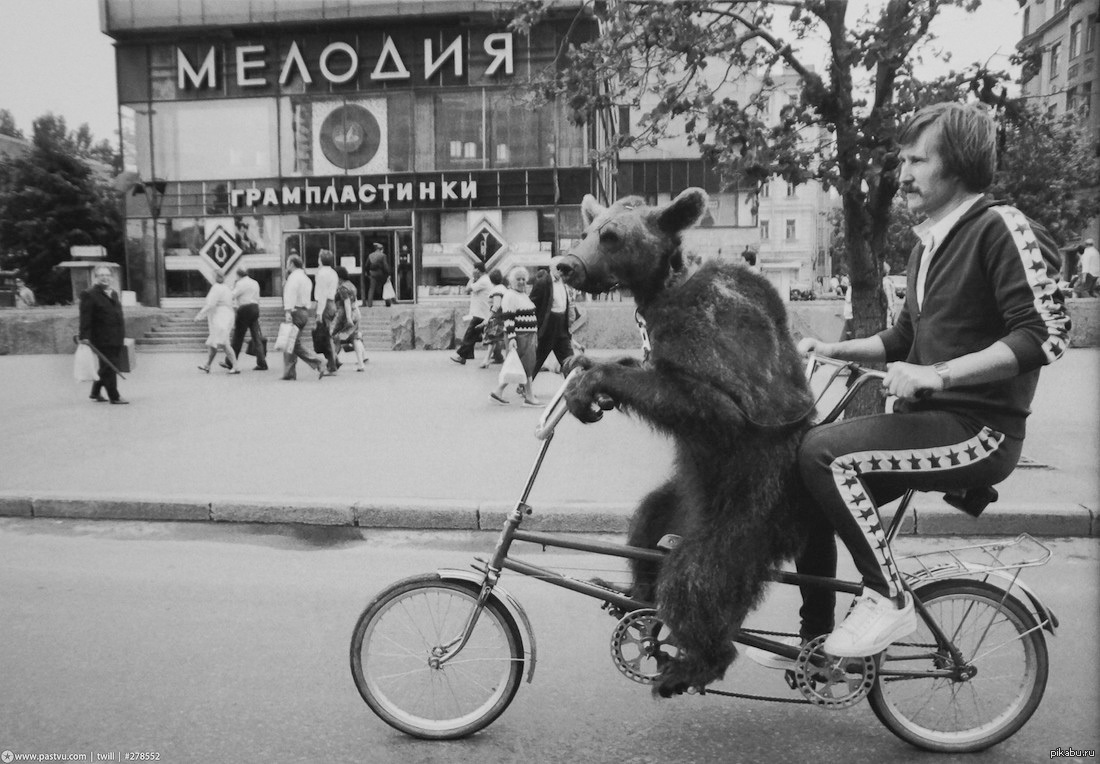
{"x": 571, "y": 269}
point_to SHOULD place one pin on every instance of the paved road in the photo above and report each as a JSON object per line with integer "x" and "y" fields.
{"x": 229, "y": 643}
{"x": 413, "y": 428}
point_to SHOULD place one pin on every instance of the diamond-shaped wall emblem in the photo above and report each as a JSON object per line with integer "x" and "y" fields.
{"x": 221, "y": 250}
{"x": 484, "y": 242}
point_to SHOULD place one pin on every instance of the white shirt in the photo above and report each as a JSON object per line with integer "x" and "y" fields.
{"x": 1090, "y": 261}
{"x": 479, "y": 296}
{"x": 296, "y": 290}
{"x": 561, "y": 300}
{"x": 246, "y": 291}
{"x": 326, "y": 282}
{"x": 931, "y": 235}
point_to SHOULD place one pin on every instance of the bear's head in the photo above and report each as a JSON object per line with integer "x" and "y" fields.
{"x": 630, "y": 244}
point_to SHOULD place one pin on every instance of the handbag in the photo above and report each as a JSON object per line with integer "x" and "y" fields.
{"x": 321, "y": 340}
{"x": 387, "y": 290}
{"x": 85, "y": 364}
{"x": 288, "y": 335}
{"x": 256, "y": 346}
{"x": 512, "y": 372}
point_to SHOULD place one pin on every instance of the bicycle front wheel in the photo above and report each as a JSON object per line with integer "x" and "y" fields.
{"x": 395, "y": 653}
{"x": 998, "y": 637}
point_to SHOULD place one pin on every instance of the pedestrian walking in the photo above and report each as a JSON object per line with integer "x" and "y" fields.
{"x": 1090, "y": 269}
{"x": 345, "y": 325}
{"x": 24, "y": 297}
{"x": 296, "y": 301}
{"x": 218, "y": 312}
{"x": 103, "y": 327}
{"x": 492, "y": 337}
{"x": 478, "y": 287}
{"x": 325, "y": 284}
{"x": 521, "y": 335}
{"x": 378, "y": 273}
{"x": 552, "y": 309}
{"x": 246, "y": 296}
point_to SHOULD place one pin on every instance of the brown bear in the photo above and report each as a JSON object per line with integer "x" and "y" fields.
{"x": 724, "y": 380}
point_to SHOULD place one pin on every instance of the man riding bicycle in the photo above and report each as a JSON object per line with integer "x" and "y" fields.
{"x": 982, "y": 314}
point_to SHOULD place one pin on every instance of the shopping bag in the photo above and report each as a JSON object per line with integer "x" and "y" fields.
{"x": 387, "y": 291}
{"x": 512, "y": 372}
{"x": 256, "y": 346}
{"x": 85, "y": 364}
{"x": 288, "y": 335}
{"x": 127, "y": 359}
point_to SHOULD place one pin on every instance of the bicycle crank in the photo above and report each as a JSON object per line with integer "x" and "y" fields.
{"x": 641, "y": 645}
{"x": 826, "y": 680}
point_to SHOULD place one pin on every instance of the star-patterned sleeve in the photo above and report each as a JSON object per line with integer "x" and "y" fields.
{"x": 1023, "y": 265}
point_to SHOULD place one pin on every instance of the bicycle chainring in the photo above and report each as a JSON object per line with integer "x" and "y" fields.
{"x": 837, "y": 682}
{"x": 640, "y": 645}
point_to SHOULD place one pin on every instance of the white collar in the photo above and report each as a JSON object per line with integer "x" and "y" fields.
{"x": 927, "y": 231}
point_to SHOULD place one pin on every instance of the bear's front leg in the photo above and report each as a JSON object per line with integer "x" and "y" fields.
{"x": 585, "y": 396}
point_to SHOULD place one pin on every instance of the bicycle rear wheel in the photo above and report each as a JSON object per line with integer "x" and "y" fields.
{"x": 397, "y": 640}
{"x": 998, "y": 637}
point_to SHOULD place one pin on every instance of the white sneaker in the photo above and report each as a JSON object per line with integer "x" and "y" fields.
{"x": 872, "y": 626}
{"x": 771, "y": 660}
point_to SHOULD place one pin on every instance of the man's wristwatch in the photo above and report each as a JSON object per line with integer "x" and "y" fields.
{"x": 944, "y": 371}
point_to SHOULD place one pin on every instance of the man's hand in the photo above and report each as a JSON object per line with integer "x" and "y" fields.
{"x": 909, "y": 381}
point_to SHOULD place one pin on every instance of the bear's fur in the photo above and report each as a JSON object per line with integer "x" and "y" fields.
{"x": 725, "y": 382}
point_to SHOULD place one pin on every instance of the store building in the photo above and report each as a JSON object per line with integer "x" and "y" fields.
{"x": 251, "y": 131}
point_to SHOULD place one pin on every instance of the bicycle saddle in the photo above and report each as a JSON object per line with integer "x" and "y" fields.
{"x": 972, "y": 500}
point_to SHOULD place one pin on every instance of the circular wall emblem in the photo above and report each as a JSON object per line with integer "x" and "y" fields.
{"x": 350, "y": 136}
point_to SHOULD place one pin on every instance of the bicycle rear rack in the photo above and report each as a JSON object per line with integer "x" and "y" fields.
{"x": 1024, "y": 551}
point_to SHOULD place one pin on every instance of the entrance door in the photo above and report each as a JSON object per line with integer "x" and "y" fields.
{"x": 397, "y": 246}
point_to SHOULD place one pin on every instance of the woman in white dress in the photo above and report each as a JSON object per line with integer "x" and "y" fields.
{"x": 218, "y": 312}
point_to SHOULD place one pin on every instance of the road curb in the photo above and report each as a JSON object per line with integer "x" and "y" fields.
{"x": 929, "y": 518}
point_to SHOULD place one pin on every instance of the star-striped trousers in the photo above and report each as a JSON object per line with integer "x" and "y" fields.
{"x": 852, "y": 467}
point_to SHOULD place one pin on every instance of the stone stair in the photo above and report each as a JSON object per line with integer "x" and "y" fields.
{"x": 179, "y": 332}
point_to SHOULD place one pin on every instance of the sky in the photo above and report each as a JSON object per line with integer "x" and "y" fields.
{"x": 54, "y": 58}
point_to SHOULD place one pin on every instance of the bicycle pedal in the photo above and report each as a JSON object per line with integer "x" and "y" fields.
{"x": 790, "y": 679}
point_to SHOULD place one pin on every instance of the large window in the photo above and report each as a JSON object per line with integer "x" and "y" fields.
{"x": 1074, "y": 39}
{"x": 459, "y": 131}
{"x": 1055, "y": 53}
{"x": 230, "y": 139}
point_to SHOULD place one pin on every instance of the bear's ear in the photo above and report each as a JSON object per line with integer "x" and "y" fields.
{"x": 591, "y": 209}
{"x": 684, "y": 211}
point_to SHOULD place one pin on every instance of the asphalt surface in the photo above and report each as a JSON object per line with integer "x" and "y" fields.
{"x": 414, "y": 442}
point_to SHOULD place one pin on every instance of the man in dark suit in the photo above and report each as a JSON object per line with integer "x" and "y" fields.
{"x": 551, "y": 300}
{"x": 102, "y": 327}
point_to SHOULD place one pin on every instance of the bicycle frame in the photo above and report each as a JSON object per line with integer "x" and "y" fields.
{"x": 500, "y": 560}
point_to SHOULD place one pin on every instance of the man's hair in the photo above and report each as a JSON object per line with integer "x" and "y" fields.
{"x": 341, "y": 272}
{"x": 294, "y": 260}
{"x": 496, "y": 276}
{"x": 479, "y": 268}
{"x": 242, "y": 272}
{"x": 965, "y": 140}
{"x": 749, "y": 257}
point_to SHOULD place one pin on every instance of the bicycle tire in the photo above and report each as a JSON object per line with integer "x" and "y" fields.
{"x": 1002, "y": 638}
{"x": 393, "y": 642}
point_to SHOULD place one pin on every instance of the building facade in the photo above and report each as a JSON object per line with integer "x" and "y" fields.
{"x": 1065, "y": 36}
{"x": 253, "y": 131}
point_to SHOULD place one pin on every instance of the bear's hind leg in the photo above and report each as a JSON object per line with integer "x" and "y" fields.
{"x": 657, "y": 516}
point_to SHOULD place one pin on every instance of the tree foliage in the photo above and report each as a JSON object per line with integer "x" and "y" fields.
{"x": 8, "y": 126}
{"x": 51, "y": 200}
{"x": 679, "y": 62}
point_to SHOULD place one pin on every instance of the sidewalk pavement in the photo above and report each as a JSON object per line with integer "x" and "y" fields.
{"x": 414, "y": 442}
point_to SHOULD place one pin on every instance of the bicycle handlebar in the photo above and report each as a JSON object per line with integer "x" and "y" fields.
{"x": 555, "y": 409}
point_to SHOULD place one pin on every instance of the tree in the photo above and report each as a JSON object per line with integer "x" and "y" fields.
{"x": 51, "y": 200}
{"x": 1048, "y": 170}
{"x": 7, "y": 125}
{"x": 689, "y": 54}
